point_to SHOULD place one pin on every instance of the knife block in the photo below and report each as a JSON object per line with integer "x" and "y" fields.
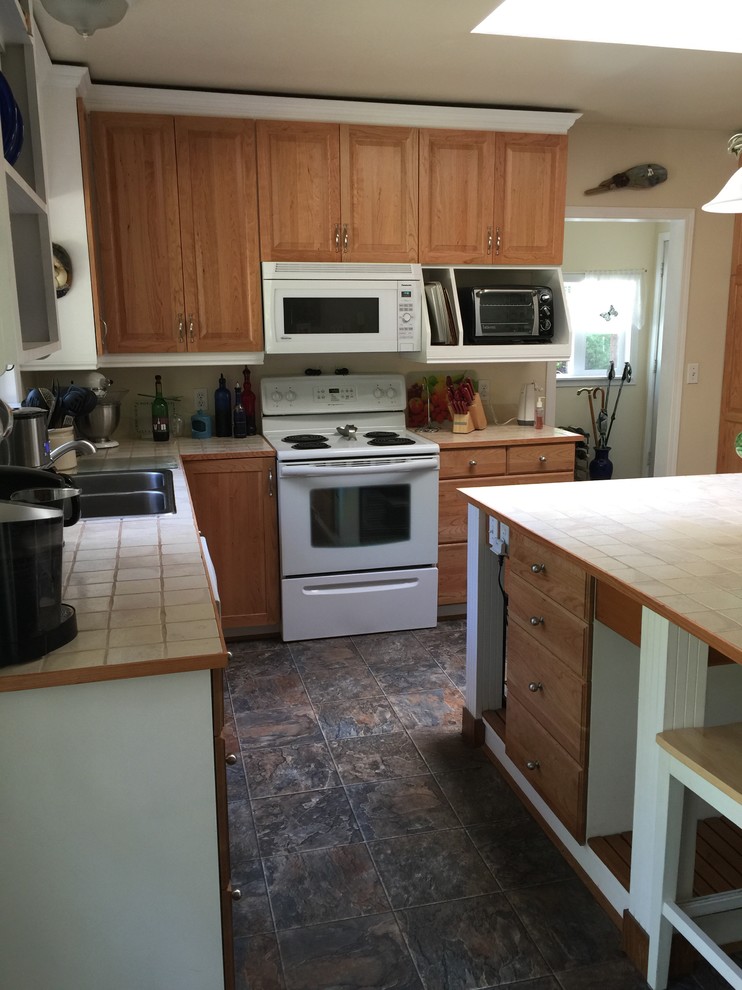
{"x": 462, "y": 423}
{"x": 477, "y": 413}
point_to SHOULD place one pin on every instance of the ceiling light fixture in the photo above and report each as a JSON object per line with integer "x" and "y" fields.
{"x": 86, "y": 16}
{"x": 729, "y": 200}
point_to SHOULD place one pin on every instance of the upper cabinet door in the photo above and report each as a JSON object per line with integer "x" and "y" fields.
{"x": 530, "y": 189}
{"x": 456, "y": 196}
{"x": 138, "y": 230}
{"x": 379, "y": 182}
{"x": 299, "y": 191}
{"x": 217, "y": 188}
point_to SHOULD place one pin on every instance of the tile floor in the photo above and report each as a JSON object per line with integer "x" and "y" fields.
{"x": 376, "y": 852}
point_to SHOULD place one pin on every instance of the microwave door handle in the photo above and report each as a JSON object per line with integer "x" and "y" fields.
{"x": 326, "y": 469}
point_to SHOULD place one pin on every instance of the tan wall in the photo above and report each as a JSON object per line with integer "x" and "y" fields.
{"x": 698, "y": 165}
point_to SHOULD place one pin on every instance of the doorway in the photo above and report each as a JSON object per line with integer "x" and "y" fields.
{"x": 662, "y": 382}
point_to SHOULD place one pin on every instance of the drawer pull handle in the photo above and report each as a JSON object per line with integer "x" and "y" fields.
{"x": 542, "y": 459}
{"x": 237, "y": 895}
{"x": 538, "y": 568}
{"x": 230, "y": 759}
{"x": 472, "y": 463}
{"x": 537, "y": 620}
{"x": 533, "y": 765}
{"x": 535, "y": 686}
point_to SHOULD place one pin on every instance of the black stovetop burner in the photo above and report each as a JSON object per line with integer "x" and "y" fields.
{"x": 311, "y": 445}
{"x": 304, "y": 438}
{"x": 390, "y": 440}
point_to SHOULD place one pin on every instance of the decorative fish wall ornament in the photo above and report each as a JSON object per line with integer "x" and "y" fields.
{"x": 637, "y": 177}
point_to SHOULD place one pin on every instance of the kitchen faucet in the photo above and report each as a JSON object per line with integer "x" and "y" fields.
{"x": 80, "y": 446}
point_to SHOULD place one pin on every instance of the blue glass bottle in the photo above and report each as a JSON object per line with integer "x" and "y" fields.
{"x": 223, "y": 409}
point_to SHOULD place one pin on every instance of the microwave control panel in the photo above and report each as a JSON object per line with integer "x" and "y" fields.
{"x": 408, "y": 308}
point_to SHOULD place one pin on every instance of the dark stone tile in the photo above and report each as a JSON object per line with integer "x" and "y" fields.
{"x": 367, "y": 758}
{"x": 445, "y": 750}
{"x": 388, "y": 650}
{"x": 704, "y": 977}
{"x": 480, "y": 795}
{"x": 236, "y": 782}
{"x": 287, "y": 769}
{"x": 431, "y": 866}
{"x": 618, "y": 974}
{"x": 546, "y": 983}
{"x": 455, "y": 667}
{"x": 400, "y": 807}
{"x": 257, "y": 658}
{"x": 411, "y": 679}
{"x": 308, "y": 888}
{"x": 257, "y": 963}
{"x": 260, "y": 693}
{"x": 343, "y": 683}
{"x": 447, "y": 639}
{"x": 519, "y": 853}
{"x": 243, "y": 842}
{"x": 277, "y": 727}
{"x": 357, "y": 954}
{"x": 569, "y": 927}
{"x": 312, "y": 820}
{"x": 251, "y": 914}
{"x": 474, "y": 942}
{"x": 325, "y": 653}
{"x": 439, "y": 707}
{"x": 368, "y": 717}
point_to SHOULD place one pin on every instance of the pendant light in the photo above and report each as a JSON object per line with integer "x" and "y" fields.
{"x": 729, "y": 200}
{"x": 86, "y": 16}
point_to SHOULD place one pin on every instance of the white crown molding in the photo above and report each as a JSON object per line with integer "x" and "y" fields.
{"x": 212, "y": 104}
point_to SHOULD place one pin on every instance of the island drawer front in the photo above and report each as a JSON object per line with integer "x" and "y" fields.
{"x": 541, "y": 458}
{"x": 550, "y": 626}
{"x": 473, "y": 462}
{"x": 547, "y": 767}
{"x": 550, "y": 573}
{"x": 555, "y": 696}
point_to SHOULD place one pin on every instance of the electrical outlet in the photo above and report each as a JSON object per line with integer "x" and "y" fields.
{"x": 199, "y": 398}
{"x": 483, "y": 388}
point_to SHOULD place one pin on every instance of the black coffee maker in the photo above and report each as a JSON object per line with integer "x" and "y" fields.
{"x": 33, "y": 618}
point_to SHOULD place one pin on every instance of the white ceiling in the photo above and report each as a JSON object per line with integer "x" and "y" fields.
{"x": 402, "y": 50}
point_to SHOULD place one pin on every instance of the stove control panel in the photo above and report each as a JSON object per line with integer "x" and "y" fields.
{"x": 352, "y": 393}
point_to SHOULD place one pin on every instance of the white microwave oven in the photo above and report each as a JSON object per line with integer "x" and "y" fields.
{"x": 333, "y": 308}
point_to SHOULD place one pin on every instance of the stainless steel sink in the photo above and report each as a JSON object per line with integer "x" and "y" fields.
{"x": 126, "y": 493}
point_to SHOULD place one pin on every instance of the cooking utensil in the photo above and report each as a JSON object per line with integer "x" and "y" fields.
{"x": 100, "y": 423}
{"x": 348, "y": 431}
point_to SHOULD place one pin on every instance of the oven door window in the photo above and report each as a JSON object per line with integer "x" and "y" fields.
{"x": 363, "y": 516}
{"x": 313, "y": 315}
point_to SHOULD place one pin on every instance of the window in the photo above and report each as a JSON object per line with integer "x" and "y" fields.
{"x": 605, "y": 315}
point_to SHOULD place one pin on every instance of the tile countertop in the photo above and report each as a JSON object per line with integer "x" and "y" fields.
{"x": 510, "y": 435}
{"x": 672, "y": 544}
{"x": 138, "y": 584}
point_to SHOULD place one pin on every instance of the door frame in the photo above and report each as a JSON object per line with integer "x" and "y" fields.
{"x": 672, "y": 358}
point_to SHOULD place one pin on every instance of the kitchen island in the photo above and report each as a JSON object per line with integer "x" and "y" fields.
{"x": 624, "y": 618}
{"x": 113, "y": 848}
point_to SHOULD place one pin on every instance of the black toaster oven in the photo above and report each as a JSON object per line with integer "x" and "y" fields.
{"x": 507, "y": 314}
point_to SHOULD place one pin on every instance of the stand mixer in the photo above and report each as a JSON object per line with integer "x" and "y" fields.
{"x": 99, "y": 424}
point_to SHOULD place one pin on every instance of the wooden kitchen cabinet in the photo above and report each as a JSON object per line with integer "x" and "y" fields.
{"x": 176, "y": 218}
{"x": 337, "y": 192}
{"x": 234, "y": 500}
{"x": 471, "y": 464}
{"x": 730, "y": 416}
{"x": 491, "y": 198}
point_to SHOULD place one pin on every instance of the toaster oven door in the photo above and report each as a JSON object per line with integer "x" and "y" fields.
{"x": 502, "y": 315}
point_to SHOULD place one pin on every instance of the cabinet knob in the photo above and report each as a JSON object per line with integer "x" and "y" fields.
{"x": 230, "y": 759}
{"x": 337, "y": 236}
{"x": 533, "y": 764}
{"x": 542, "y": 459}
{"x": 537, "y": 620}
{"x": 538, "y": 568}
{"x": 535, "y": 686}
{"x": 237, "y": 895}
{"x": 472, "y": 463}
{"x": 229, "y": 655}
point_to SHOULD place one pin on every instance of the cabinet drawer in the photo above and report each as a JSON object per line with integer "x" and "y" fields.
{"x": 553, "y": 773}
{"x": 550, "y": 573}
{"x": 473, "y": 462}
{"x": 550, "y": 626}
{"x": 541, "y": 458}
{"x": 555, "y": 696}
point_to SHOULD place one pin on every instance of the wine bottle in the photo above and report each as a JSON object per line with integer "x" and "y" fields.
{"x": 160, "y": 418}
{"x": 238, "y": 414}
{"x": 223, "y": 409}
{"x": 248, "y": 403}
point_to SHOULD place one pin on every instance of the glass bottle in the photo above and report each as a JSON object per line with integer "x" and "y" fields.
{"x": 238, "y": 414}
{"x": 160, "y": 418}
{"x": 223, "y": 409}
{"x": 248, "y": 403}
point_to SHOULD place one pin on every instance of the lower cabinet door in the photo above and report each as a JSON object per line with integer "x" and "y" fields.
{"x": 558, "y": 778}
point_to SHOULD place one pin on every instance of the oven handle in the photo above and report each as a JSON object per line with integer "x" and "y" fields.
{"x": 330, "y": 469}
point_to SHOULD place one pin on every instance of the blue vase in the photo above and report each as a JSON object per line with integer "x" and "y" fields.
{"x": 600, "y": 467}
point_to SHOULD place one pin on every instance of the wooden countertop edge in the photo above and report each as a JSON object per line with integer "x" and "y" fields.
{"x": 111, "y": 672}
{"x": 685, "y": 622}
{"x": 227, "y": 454}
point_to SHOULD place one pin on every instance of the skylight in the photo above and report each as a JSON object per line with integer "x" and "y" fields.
{"x": 713, "y": 26}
